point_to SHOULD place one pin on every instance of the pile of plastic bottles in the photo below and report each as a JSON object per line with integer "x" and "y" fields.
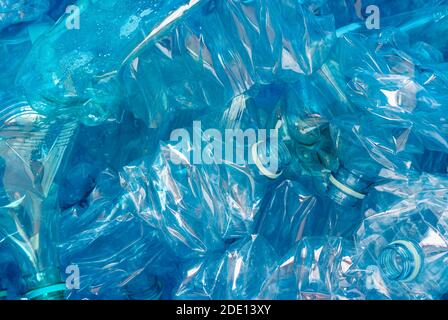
{"x": 223, "y": 149}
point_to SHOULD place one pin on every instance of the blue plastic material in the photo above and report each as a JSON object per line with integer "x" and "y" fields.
{"x": 21, "y": 11}
{"x": 225, "y": 276}
{"x": 223, "y": 149}
{"x": 32, "y": 151}
{"x": 404, "y": 241}
{"x": 10, "y": 276}
{"x": 317, "y": 268}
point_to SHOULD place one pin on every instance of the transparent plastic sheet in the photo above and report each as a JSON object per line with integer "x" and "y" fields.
{"x": 360, "y": 115}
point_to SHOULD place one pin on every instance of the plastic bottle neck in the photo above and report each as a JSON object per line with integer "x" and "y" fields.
{"x": 270, "y": 159}
{"x": 347, "y": 188}
{"x": 400, "y": 261}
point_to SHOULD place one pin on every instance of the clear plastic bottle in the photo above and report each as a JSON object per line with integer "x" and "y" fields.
{"x": 21, "y": 11}
{"x": 116, "y": 255}
{"x": 317, "y": 268}
{"x": 32, "y": 151}
{"x": 10, "y": 284}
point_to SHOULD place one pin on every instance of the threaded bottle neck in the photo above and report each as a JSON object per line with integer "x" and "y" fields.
{"x": 400, "y": 261}
{"x": 346, "y": 188}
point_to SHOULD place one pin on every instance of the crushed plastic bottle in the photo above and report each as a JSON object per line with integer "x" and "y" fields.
{"x": 317, "y": 268}
{"x": 288, "y": 214}
{"x": 21, "y": 11}
{"x": 223, "y": 149}
{"x": 82, "y": 79}
{"x": 218, "y": 202}
{"x": 404, "y": 240}
{"x": 235, "y": 274}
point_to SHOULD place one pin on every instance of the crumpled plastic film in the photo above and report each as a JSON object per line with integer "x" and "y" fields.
{"x": 236, "y": 273}
{"x": 223, "y": 149}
